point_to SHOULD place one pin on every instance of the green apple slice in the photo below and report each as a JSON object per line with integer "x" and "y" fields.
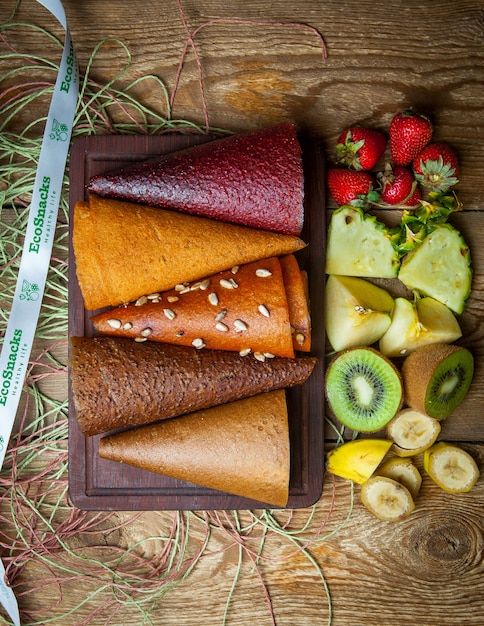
{"x": 357, "y": 312}
{"x": 416, "y": 324}
{"x": 359, "y": 245}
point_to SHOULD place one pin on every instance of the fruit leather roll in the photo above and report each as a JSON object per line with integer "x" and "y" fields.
{"x": 240, "y": 448}
{"x": 117, "y": 382}
{"x": 255, "y": 179}
{"x": 244, "y": 309}
{"x": 124, "y": 250}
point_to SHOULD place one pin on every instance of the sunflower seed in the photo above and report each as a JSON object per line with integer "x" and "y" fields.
{"x": 235, "y": 269}
{"x": 127, "y": 326}
{"x": 264, "y": 310}
{"x": 169, "y": 313}
{"x": 213, "y": 298}
{"x": 221, "y": 326}
{"x": 140, "y": 339}
{"x": 299, "y": 338}
{"x": 240, "y": 325}
{"x": 263, "y": 273}
{"x": 154, "y": 296}
{"x": 269, "y": 355}
{"x": 245, "y": 352}
{"x": 220, "y": 315}
{"x": 141, "y": 301}
{"x": 228, "y": 284}
{"x": 259, "y": 356}
{"x": 173, "y": 298}
{"x": 146, "y": 332}
{"x": 198, "y": 343}
{"x": 114, "y": 324}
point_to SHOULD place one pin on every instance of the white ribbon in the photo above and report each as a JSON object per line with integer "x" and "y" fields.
{"x": 35, "y": 261}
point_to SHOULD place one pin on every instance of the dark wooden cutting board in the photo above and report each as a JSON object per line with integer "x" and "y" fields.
{"x": 99, "y": 484}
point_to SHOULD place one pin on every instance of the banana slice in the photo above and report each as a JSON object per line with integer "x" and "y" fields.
{"x": 404, "y": 471}
{"x": 451, "y": 468}
{"x": 387, "y": 499}
{"x": 357, "y": 460}
{"x": 412, "y": 432}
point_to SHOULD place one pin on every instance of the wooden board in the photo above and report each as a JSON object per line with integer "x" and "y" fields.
{"x": 98, "y": 484}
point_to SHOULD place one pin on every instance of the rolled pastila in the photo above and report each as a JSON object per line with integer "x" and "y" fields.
{"x": 117, "y": 382}
{"x": 244, "y": 309}
{"x": 297, "y": 293}
{"x": 125, "y": 250}
{"x": 254, "y": 179}
{"x": 240, "y": 448}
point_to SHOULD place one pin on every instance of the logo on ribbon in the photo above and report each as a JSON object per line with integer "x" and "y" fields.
{"x": 59, "y": 132}
{"x": 30, "y": 291}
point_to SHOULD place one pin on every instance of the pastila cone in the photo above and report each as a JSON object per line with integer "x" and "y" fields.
{"x": 255, "y": 179}
{"x": 244, "y": 309}
{"x": 125, "y": 250}
{"x": 240, "y": 448}
{"x": 118, "y": 383}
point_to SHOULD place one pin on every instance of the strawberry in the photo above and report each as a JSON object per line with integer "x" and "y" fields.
{"x": 349, "y": 187}
{"x": 436, "y": 167}
{"x": 398, "y": 184}
{"x": 360, "y": 148}
{"x": 409, "y": 133}
{"x": 414, "y": 200}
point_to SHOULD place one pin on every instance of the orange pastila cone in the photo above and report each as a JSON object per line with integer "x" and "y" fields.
{"x": 244, "y": 309}
{"x": 240, "y": 448}
{"x": 125, "y": 250}
{"x": 254, "y": 179}
{"x": 118, "y": 383}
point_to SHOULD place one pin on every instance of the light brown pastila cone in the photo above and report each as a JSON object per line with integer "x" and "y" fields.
{"x": 242, "y": 309}
{"x": 117, "y": 382}
{"x": 240, "y": 448}
{"x": 125, "y": 250}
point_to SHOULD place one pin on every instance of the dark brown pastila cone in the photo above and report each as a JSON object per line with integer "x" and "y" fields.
{"x": 117, "y": 382}
{"x": 254, "y": 179}
{"x": 240, "y": 448}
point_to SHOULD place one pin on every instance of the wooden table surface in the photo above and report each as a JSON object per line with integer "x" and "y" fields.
{"x": 382, "y": 57}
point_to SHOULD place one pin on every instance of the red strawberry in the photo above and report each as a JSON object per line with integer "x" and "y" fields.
{"x": 360, "y": 148}
{"x": 436, "y": 167}
{"x": 414, "y": 200}
{"x": 349, "y": 187}
{"x": 398, "y": 184}
{"x": 409, "y": 133}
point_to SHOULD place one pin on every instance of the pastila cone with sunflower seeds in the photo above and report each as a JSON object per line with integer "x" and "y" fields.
{"x": 258, "y": 309}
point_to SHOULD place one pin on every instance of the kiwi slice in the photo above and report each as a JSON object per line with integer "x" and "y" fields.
{"x": 364, "y": 389}
{"x": 437, "y": 378}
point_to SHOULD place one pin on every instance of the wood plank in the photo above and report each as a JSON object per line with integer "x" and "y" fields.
{"x": 382, "y": 58}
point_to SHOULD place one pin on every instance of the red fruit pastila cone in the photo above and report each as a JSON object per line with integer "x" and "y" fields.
{"x": 255, "y": 179}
